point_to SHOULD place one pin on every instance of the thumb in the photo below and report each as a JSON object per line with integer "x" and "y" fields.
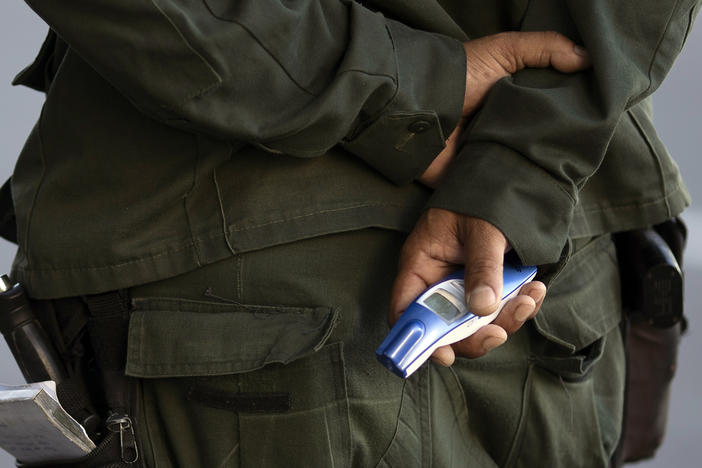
{"x": 484, "y": 249}
{"x": 539, "y": 49}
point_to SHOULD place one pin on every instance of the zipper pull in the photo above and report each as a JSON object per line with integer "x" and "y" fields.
{"x": 127, "y": 441}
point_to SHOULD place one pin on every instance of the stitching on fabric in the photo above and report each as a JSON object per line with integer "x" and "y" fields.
{"x": 396, "y": 433}
{"x": 356, "y": 133}
{"x": 656, "y": 156}
{"x": 173, "y": 304}
{"x": 216, "y": 365}
{"x": 653, "y": 57}
{"x": 201, "y": 91}
{"x": 518, "y": 438}
{"x": 222, "y": 213}
{"x": 100, "y": 267}
{"x": 319, "y": 212}
{"x": 630, "y": 206}
{"x": 196, "y": 246}
{"x": 303, "y": 152}
{"x": 30, "y": 214}
{"x": 212, "y": 235}
{"x": 263, "y": 46}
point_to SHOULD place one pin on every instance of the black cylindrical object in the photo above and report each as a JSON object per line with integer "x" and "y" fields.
{"x": 35, "y": 354}
{"x": 652, "y": 282}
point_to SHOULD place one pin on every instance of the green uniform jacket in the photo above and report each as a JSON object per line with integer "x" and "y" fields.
{"x": 178, "y": 133}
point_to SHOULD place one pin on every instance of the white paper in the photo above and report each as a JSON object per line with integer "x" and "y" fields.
{"x": 34, "y": 427}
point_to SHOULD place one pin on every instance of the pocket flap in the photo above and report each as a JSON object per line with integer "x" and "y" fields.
{"x": 175, "y": 337}
{"x": 584, "y": 302}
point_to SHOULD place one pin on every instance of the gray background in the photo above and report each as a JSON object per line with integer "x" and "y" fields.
{"x": 678, "y": 114}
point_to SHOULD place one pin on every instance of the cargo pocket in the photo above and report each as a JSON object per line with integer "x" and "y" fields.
{"x": 573, "y": 396}
{"x": 584, "y": 304}
{"x": 240, "y": 385}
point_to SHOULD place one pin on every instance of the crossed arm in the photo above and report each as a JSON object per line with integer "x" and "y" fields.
{"x": 531, "y": 148}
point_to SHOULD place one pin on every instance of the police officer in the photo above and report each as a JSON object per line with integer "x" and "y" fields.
{"x": 248, "y": 172}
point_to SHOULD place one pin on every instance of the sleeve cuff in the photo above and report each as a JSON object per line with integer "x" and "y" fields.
{"x": 499, "y": 185}
{"x": 412, "y": 130}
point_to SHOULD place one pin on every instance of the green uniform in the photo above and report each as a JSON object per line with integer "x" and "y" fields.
{"x": 181, "y": 141}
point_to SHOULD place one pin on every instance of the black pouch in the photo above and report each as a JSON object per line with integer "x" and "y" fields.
{"x": 71, "y": 326}
{"x": 650, "y": 263}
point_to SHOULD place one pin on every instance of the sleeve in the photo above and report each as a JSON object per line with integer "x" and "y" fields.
{"x": 540, "y": 134}
{"x": 291, "y": 77}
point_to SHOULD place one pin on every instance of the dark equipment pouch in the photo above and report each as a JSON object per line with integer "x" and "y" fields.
{"x": 90, "y": 335}
{"x": 652, "y": 293}
{"x": 652, "y": 281}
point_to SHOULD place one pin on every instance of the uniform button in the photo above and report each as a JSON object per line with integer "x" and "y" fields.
{"x": 419, "y": 126}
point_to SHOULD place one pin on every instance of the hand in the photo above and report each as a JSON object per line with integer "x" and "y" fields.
{"x": 440, "y": 241}
{"x": 490, "y": 58}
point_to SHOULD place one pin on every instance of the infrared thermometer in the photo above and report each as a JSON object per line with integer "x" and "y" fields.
{"x": 439, "y": 317}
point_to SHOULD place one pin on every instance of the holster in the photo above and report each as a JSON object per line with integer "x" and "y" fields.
{"x": 90, "y": 334}
{"x": 652, "y": 288}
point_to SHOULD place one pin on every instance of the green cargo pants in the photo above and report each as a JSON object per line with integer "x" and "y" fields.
{"x": 267, "y": 360}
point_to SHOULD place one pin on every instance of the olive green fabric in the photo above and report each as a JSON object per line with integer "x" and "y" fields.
{"x": 177, "y": 134}
{"x": 542, "y": 137}
{"x": 249, "y": 170}
{"x": 311, "y": 394}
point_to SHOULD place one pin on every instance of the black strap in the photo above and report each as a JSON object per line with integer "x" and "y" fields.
{"x": 108, "y": 327}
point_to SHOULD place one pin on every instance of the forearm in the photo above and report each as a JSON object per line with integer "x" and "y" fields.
{"x": 296, "y": 78}
{"x": 541, "y": 135}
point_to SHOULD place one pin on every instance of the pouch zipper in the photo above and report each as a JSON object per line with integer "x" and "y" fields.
{"x": 121, "y": 423}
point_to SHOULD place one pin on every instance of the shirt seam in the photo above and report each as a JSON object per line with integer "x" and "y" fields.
{"x": 653, "y": 57}
{"x": 231, "y": 229}
{"x": 201, "y": 91}
{"x": 35, "y": 196}
{"x": 665, "y": 198}
{"x": 209, "y": 235}
{"x": 655, "y": 155}
{"x": 186, "y": 214}
{"x": 355, "y": 132}
{"x": 358, "y": 130}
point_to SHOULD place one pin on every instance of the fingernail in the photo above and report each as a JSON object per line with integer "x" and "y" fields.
{"x": 582, "y": 51}
{"x": 492, "y": 342}
{"x": 481, "y": 298}
{"x": 523, "y": 312}
{"x": 537, "y": 296}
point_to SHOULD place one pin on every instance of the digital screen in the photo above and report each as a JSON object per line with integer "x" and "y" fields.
{"x": 443, "y": 307}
